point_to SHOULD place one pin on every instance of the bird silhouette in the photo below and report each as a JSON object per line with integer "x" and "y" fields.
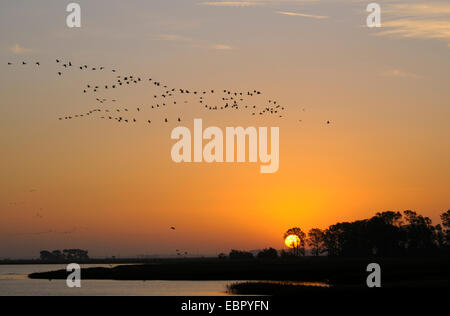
{"x": 230, "y": 100}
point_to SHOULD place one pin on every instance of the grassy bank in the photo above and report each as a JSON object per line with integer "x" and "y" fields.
{"x": 272, "y": 288}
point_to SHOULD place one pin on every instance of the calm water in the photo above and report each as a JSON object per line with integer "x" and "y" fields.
{"x": 14, "y": 281}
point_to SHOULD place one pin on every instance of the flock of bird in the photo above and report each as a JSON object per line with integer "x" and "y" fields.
{"x": 107, "y": 109}
{"x": 223, "y": 99}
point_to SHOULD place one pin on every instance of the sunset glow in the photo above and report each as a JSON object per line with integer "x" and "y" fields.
{"x": 365, "y": 126}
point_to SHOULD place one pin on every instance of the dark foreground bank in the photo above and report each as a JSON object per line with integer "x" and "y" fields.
{"x": 337, "y": 272}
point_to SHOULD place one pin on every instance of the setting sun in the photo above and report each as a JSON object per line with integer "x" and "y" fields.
{"x": 292, "y": 241}
{"x": 153, "y": 148}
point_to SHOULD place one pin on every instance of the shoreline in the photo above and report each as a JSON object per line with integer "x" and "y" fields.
{"x": 337, "y": 272}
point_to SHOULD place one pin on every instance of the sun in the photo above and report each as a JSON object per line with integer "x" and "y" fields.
{"x": 292, "y": 241}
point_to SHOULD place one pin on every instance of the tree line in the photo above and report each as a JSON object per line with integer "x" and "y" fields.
{"x": 387, "y": 234}
{"x": 65, "y": 255}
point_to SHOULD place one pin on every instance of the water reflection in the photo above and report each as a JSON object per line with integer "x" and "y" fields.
{"x": 14, "y": 281}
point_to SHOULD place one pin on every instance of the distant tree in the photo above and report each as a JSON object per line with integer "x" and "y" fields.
{"x": 390, "y": 218}
{"x": 46, "y": 255}
{"x": 239, "y": 255}
{"x": 69, "y": 254}
{"x": 269, "y": 253}
{"x": 445, "y": 218}
{"x": 75, "y": 255}
{"x": 316, "y": 241}
{"x": 330, "y": 241}
{"x": 222, "y": 256}
{"x": 440, "y": 236}
{"x": 300, "y": 248}
{"x": 58, "y": 255}
{"x": 385, "y": 235}
{"x": 351, "y": 239}
{"x": 420, "y": 232}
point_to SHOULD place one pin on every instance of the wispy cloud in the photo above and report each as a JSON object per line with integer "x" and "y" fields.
{"x": 396, "y": 73}
{"x": 417, "y": 20}
{"x": 222, "y": 47}
{"x": 417, "y": 28}
{"x": 230, "y": 3}
{"x": 17, "y": 49}
{"x": 419, "y": 9}
{"x": 302, "y": 15}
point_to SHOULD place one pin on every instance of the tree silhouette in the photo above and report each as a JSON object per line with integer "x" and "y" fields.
{"x": 298, "y": 249}
{"x": 440, "y": 236}
{"x": 65, "y": 255}
{"x": 75, "y": 254}
{"x": 316, "y": 241}
{"x": 222, "y": 256}
{"x": 46, "y": 255}
{"x": 420, "y": 231}
{"x": 445, "y": 218}
{"x": 239, "y": 255}
{"x": 387, "y": 234}
{"x": 269, "y": 253}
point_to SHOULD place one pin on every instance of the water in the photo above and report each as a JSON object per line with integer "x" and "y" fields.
{"x": 14, "y": 281}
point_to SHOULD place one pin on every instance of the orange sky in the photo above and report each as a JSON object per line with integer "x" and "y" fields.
{"x": 114, "y": 189}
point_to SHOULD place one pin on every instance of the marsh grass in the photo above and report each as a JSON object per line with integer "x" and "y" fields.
{"x": 275, "y": 287}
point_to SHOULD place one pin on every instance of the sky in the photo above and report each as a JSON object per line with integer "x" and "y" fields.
{"x": 114, "y": 190}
